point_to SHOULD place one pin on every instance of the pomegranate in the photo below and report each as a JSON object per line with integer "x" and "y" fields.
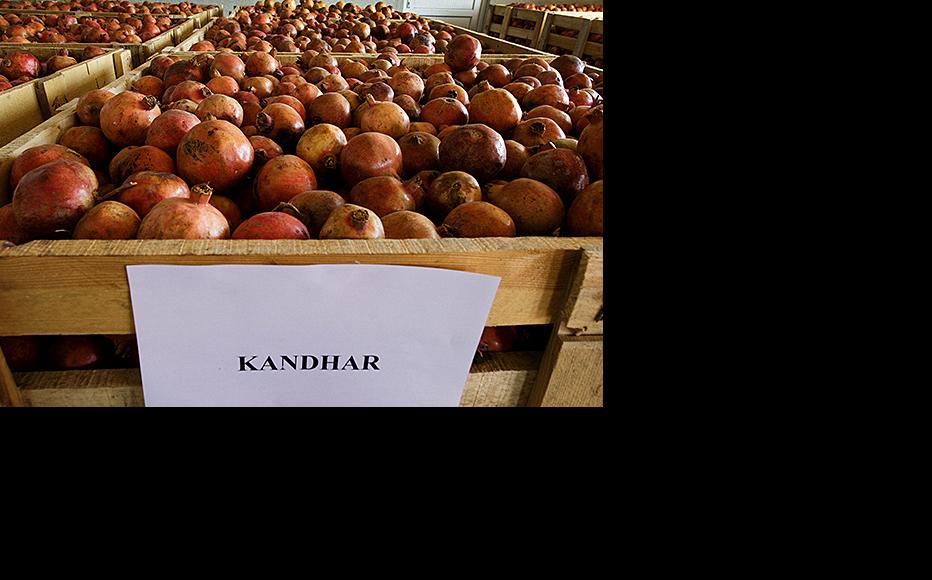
{"x": 550, "y": 77}
{"x": 38, "y": 156}
{"x": 419, "y": 151}
{"x": 215, "y": 152}
{"x": 518, "y": 90}
{"x": 407, "y": 83}
{"x": 54, "y": 196}
{"x": 498, "y": 339}
{"x": 568, "y": 65}
{"x": 314, "y": 207}
{"x": 22, "y": 353}
{"x": 125, "y": 117}
{"x": 143, "y": 190}
{"x": 350, "y": 221}
{"x": 280, "y": 123}
{"x": 563, "y": 120}
{"x": 590, "y": 146}
{"x": 463, "y": 53}
{"x": 149, "y": 85}
{"x": 223, "y": 86}
{"x": 186, "y": 219}
{"x": 9, "y": 229}
{"x": 552, "y": 95}
{"x": 333, "y": 83}
{"x": 187, "y": 90}
{"x": 408, "y": 225}
{"x": 90, "y": 143}
{"x": 265, "y": 149}
{"x": 449, "y": 190}
{"x": 476, "y": 149}
{"x": 436, "y": 80}
{"x": 384, "y": 117}
{"x": 382, "y": 194}
{"x": 496, "y": 74}
{"x": 262, "y": 87}
{"x": 261, "y": 63}
{"x": 450, "y": 91}
{"x": 577, "y": 81}
{"x": 220, "y": 107}
{"x": 227, "y": 65}
{"x": 537, "y": 131}
{"x": 496, "y": 108}
{"x": 477, "y": 219}
{"x": 516, "y": 156}
{"x": 421, "y": 127}
{"x": 109, "y": 220}
{"x": 167, "y": 129}
{"x": 320, "y": 147}
{"x": 584, "y": 218}
{"x": 229, "y": 209}
{"x": 535, "y": 208}
{"x": 271, "y": 225}
{"x": 418, "y": 185}
{"x": 159, "y": 65}
{"x": 180, "y": 71}
{"x": 368, "y": 155}
{"x": 409, "y": 106}
{"x": 561, "y": 169}
{"x": 280, "y": 178}
{"x": 186, "y": 105}
{"x": 444, "y": 112}
{"x": 378, "y": 90}
{"x": 134, "y": 159}
{"x": 20, "y": 64}
{"x": 68, "y": 353}
{"x": 89, "y": 106}
{"x": 292, "y": 102}
{"x": 330, "y": 108}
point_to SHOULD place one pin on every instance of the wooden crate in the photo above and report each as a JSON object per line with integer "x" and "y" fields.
{"x": 80, "y": 287}
{"x": 140, "y": 51}
{"x": 76, "y": 287}
{"x": 491, "y": 43}
{"x": 28, "y": 105}
{"x": 582, "y": 45}
{"x": 196, "y": 36}
{"x": 521, "y": 25}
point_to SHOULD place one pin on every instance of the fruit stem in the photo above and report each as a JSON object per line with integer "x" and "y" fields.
{"x": 202, "y": 193}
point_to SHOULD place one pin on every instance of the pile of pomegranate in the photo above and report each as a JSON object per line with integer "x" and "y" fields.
{"x": 19, "y": 66}
{"x": 218, "y": 147}
{"x": 126, "y": 7}
{"x": 58, "y": 28}
{"x": 349, "y": 29}
{"x": 575, "y": 7}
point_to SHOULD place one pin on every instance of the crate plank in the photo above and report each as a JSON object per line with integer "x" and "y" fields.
{"x": 10, "y": 395}
{"x": 570, "y": 373}
{"x": 498, "y": 380}
{"x": 80, "y": 286}
{"x": 583, "y": 310}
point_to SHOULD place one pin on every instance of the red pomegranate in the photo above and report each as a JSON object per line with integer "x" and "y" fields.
{"x": 126, "y": 117}
{"x": 185, "y": 219}
{"x": 215, "y": 152}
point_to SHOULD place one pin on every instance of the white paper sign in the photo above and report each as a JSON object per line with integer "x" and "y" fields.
{"x": 323, "y": 335}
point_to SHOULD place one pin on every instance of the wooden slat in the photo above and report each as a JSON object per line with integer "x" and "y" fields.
{"x": 10, "y": 395}
{"x": 80, "y": 286}
{"x": 570, "y": 374}
{"x": 497, "y": 380}
{"x": 583, "y": 309}
{"x": 72, "y": 82}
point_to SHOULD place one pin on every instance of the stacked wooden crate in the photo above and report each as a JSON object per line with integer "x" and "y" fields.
{"x": 27, "y": 105}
